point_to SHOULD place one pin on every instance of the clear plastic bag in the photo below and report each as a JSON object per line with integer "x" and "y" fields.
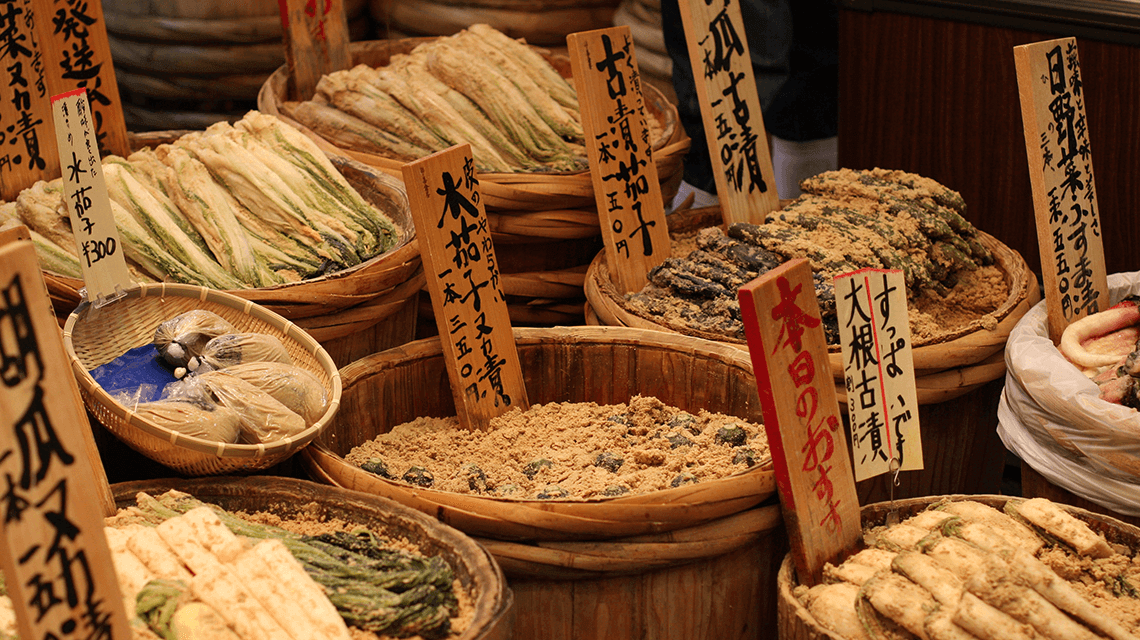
{"x": 204, "y": 420}
{"x": 292, "y": 386}
{"x": 239, "y": 348}
{"x": 1051, "y": 417}
{"x": 262, "y": 418}
{"x": 184, "y": 336}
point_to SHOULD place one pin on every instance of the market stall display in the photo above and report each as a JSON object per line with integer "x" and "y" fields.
{"x": 331, "y": 245}
{"x": 411, "y": 556}
{"x": 693, "y": 536}
{"x": 973, "y": 567}
{"x": 544, "y": 223}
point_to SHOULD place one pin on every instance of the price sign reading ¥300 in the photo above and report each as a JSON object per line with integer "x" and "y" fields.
{"x": 878, "y": 371}
{"x": 85, "y": 193}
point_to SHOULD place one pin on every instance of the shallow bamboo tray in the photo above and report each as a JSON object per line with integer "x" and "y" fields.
{"x": 950, "y": 367}
{"x": 354, "y": 312}
{"x": 580, "y": 364}
{"x": 93, "y": 337}
{"x": 475, "y": 571}
{"x": 796, "y": 623}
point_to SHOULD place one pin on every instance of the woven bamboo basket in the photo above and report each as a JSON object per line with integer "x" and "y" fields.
{"x": 354, "y": 312}
{"x": 691, "y": 562}
{"x": 539, "y": 22}
{"x": 95, "y": 336}
{"x": 959, "y": 380}
{"x": 797, "y": 623}
{"x": 531, "y": 215}
{"x": 476, "y": 572}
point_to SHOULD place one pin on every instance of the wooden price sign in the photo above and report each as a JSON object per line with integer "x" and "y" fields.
{"x": 730, "y": 110}
{"x": 51, "y": 47}
{"x": 24, "y": 102}
{"x": 85, "y": 193}
{"x": 1061, "y": 176}
{"x": 55, "y": 558}
{"x": 463, "y": 281}
{"x": 626, "y": 187}
{"x": 316, "y": 42}
{"x": 801, "y": 417}
{"x": 878, "y": 372}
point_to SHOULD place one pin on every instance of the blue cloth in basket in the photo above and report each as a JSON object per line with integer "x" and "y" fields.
{"x": 138, "y": 371}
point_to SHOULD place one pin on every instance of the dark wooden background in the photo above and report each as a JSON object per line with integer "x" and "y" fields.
{"x": 939, "y": 98}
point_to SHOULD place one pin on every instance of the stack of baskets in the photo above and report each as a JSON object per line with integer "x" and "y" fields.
{"x": 958, "y": 380}
{"x": 692, "y": 562}
{"x": 540, "y": 22}
{"x": 187, "y": 65}
{"x": 544, "y": 225}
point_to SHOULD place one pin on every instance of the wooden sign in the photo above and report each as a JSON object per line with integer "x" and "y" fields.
{"x": 801, "y": 417}
{"x": 730, "y": 110}
{"x": 88, "y": 205}
{"x": 626, "y": 187}
{"x": 463, "y": 281}
{"x": 27, "y": 153}
{"x": 1061, "y": 176}
{"x": 78, "y": 56}
{"x": 56, "y": 562}
{"x": 878, "y": 372}
{"x": 316, "y": 42}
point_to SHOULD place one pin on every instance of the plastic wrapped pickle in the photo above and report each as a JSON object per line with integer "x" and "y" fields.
{"x": 290, "y": 385}
{"x": 197, "y": 418}
{"x": 261, "y": 417}
{"x": 963, "y": 570}
{"x": 185, "y": 336}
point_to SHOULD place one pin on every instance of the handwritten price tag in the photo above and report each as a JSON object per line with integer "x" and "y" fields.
{"x": 627, "y": 189}
{"x": 463, "y": 281}
{"x": 1061, "y": 176}
{"x": 878, "y": 370}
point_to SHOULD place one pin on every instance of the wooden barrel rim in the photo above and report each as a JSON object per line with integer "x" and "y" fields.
{"x": 474, "y": 567}
{"x": 521, "y": 518}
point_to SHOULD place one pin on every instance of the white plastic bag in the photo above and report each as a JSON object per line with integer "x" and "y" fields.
{"x": 1050, "y": 416}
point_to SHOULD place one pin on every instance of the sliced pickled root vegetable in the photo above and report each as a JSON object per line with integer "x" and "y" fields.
{"x": 1078, "y": 336}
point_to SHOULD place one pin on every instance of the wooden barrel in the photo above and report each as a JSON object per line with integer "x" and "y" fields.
{"x": 797, "y": 623}
{"x": 187, "y": 65}
{"x": 352, "y": 313}
{"x": 539, "y": 22}
{"x": 476, "y": 572}
{"x": 959, "y": 379}
{"x": 544, "y": 225}
{"x": 643, "y": 17}
{"x": 651, "y": 565}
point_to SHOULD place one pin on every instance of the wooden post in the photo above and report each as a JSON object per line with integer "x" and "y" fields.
{"x": 78, "y": 56}
{"x": 730, "y": 110}
{"x": 1061, "y": 176}
{"x": 627, "y": 189}
{"x": 878, "y": 370}
{"x": 801, "y": 417}
{"x": 57, "y": 564}
{"x": 463, "y": 281}
{"x": 316, "y": 42}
